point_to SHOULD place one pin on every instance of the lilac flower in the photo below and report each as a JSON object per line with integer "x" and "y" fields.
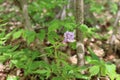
{"x": 69, "y": 37}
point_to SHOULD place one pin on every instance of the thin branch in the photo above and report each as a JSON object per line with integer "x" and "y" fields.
{"x": 79, "y": 9}
{"x": 25, "y": 14}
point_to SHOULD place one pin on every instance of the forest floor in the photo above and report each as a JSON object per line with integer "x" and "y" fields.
{"x": 101, "y": 47}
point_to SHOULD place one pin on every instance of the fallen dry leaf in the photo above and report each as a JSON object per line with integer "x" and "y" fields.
{"x": 73, "y": 59}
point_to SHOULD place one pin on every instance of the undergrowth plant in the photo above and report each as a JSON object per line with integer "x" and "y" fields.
{"x": 56, "y": 69}
{"x": 101, "y": 68}
{"x": 57, "y": 66}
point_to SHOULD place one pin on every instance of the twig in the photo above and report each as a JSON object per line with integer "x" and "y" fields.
{"x": 79, "y": 7}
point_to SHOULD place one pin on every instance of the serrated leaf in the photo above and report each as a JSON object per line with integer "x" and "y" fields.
{"x": 83, "y": 28}
{"x": 111, "y": 71}
{"x": 69, "y": 26}
{"x": 94, "y": 70}
{"x": 112, "y": 77}
{"x": 14, "y": 48}
{"x": 52, "y": 37}
{"x": 35, "y": 65}
{"x": 53, "y": 25}
{"x": 111, "y": 68}
{"x": 29, "y": 36}
{"x": 17, "y": 34}
{"x": 41, "y": 35}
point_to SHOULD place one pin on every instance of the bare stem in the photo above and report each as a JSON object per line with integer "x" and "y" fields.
{"x": 79, "y": 9}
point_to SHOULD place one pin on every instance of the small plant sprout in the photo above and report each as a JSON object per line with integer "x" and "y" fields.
{"x": 69, "y": 37}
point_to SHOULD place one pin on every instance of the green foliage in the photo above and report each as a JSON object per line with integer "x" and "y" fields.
{"x": 73, "y": 45}
{"x": 54, "y": 25}
{"x": 57, "y": 67}
{"x": 9, "y": 77}
{"x": 24, "y": 59}
{"x": 1, "y": 1}
{"x": 17, "y": 34}
{"x": 53, "y": 37}
{"x": 41, "y": 35}
{"x": 40, "y": 10}
{"x": 100, "y": 67}
{"x": 69, "y": 25}
{"x": 29, "y": 36}
{"x": 4, "y": 37}
{"x": 94, "y": 70}
{"x": 88, "y": 32}
{"x": 27, "y": 60}
{"x": 96, "y": 7}
{"x": 92, "y": 32}
{"x": 113, "y": 7}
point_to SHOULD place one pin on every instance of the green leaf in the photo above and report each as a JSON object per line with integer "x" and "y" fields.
{"x": 111, "y": 71}
{"x": 3, "y": 58}
{"x": 10, "y": 77}
{"x": 69, "y": 26}
{"x": 53, "y": 37}
{"x": 2, "y": 34}
{"x": 29, "y": 36}
{"x": 35, "y": 65}
{"x": 19, "y": 63}
{"x": 17, "y": 34}
{"x": 14, "y": 48}
{"x": 88, "y": 59}
{"x": 95, "y": 7}
{"x": 103, "y": 70}
{"x": 113, "y": 7}
{"x": 94, "y": 70}
{"x": 94, "y": 56}
{"x": 53, "y": 25}
{"x": 84, "y": 28}
{"x": 118, "y": 78}
{"x": 1, "y": 25}
{"x": 87, "y": 32}
{"x": 40, "y": 71}
{"x": 7, "y": 36}
{"x": 111, "y": 68}
{"x": 41, "y": 35}
{"x": 57, "y": 78}
{"x": 81, "y": 76}
{"x": 73, "y": 45}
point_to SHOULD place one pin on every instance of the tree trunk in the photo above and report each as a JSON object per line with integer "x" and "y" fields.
{"x": 27, "y": 24}
{"x": 79, "y": 9}
{"x": 26, "y": 19}
{"x": 115, "y": 38}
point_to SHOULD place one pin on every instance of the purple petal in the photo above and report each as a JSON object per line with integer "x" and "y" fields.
{"x": 69, "y": 36}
